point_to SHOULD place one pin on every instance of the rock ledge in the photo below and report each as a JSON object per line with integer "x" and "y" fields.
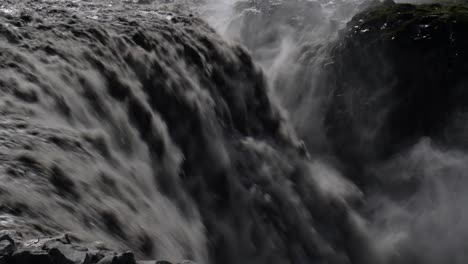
{"x": 15, "y": 249}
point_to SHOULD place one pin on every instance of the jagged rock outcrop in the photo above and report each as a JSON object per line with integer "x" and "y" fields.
{"x": 17, "y": 249}
{"x": 400, "y": 74}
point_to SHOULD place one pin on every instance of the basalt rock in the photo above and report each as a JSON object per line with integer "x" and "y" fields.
{"x": 400, "y": 74}
{"x": 60, "y": 250}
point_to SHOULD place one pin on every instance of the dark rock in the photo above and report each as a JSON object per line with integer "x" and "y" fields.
{"x": 401, "y": 72}
{"x": 388, "y": 3}
{"x": 46, "y": 243}
{"x": 163, "y": 262}
{"x": 68, "y": 254}
{"x": 7, "y": 247}
{"x": 96, "y": 255}
{"x": 125, "y": 258}
{"x": 55, "y": 250}
{"x": 107, "y": 260}
{"x": 11, "y": 235}
{"x": 30, "y": 255}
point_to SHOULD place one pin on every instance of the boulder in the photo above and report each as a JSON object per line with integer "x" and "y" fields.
{"x": 125, "y": 258}
{"x": 7, "y": 246}
{"x": 57, "y": 250}
{"x": 68, "y": 254}
{"x": 30, "y": 255}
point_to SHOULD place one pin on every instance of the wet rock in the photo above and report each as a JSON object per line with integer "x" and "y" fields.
{"x": 46, "y": 243}
{"x": 30, "y": 255}
{"x": 388, "y": 3}
{"x": 58, "y": 250}
{"x": 7, "y": 246}
{"x": 68, "y": 254}
{"x": 125, "y": 258}
{"x": 400, "y": 74}
{"x": 12, "y": 236}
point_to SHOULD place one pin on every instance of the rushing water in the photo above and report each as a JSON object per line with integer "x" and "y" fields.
{"x": 127, "y": 123}
{"x": 145, "y": 130}
{"x": 421, "y": 207}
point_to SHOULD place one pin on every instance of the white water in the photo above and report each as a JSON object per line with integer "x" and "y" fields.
{"x": 429, "y": 225}
{"x": 223, "y": 185}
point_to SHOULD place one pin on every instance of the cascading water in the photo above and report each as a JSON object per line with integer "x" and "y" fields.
{"x": 413, "y": 202}
{"x": 291, "y": 40}
{"x": 144, "y": 130}
{"x": 135, "y": 124}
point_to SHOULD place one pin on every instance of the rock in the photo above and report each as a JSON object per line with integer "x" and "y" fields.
{"x": 125, "y": 258}
{"x": 388, "y": 3}
{"x": 107, "y": 260}
{"x": 47, "y": 242}
{"x": 7, "y": 245}
{"x": 6, "y": 248}
{"x": 13, "y": 234}
{"x": 401, "y": 71}
{"x": 29, "y": 256}
{"x": 68, "y": 254}
{"x": 97, "y": 255}
{"x": 55, "y": 250}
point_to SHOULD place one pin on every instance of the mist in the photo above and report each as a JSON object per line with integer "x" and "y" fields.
{"x": 413, "y": 209}
{"x": 227, "y": 131}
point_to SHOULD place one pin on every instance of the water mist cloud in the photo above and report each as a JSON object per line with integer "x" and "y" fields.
{"x": 418, "y": 204}
{"x": 429, "y": 223}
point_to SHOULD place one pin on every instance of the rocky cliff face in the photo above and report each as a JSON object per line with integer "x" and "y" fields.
{"x": 397, "y": 119}
{"x": 400, "y": 74}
